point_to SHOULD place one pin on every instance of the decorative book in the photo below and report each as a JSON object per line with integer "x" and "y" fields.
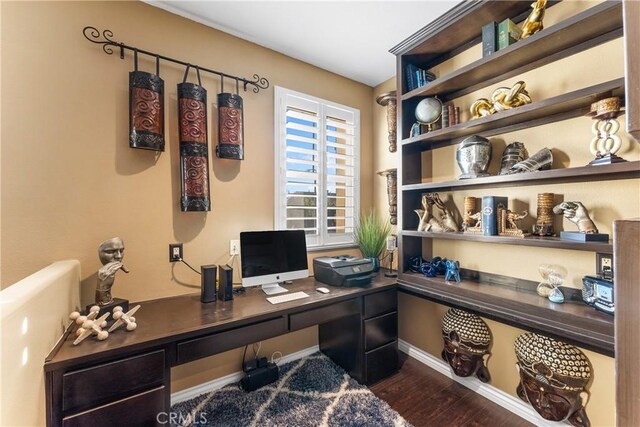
{"x": 490, "y": 205}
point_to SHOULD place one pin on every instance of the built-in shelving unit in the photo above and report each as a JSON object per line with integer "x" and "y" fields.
{"x": 590, "y": 28}
{"x": 562, "y": 107}
{"x": 571, "y": 321}
{"x": 455, "y": 32}
{"x": 554, "y": 176}
{"x": 541, "y": 242}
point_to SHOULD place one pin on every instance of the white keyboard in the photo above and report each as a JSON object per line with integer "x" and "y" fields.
{"x": 287, "y": 297}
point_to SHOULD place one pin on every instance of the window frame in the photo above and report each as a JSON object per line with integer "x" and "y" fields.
{"x": 324, "y": 240}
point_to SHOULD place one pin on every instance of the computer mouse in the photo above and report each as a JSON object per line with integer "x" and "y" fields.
{"x": 323, "y": 290}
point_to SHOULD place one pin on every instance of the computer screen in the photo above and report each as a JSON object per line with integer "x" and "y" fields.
{"x": 270, "y": 257}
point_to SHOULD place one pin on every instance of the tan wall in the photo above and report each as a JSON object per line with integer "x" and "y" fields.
{"x": 606, "y": 201}
{"x": 69, "y": 179}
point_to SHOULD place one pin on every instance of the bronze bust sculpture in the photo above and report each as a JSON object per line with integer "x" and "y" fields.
{"x": 553, "y": 378}
{"x": 110, "y": 253}
{"x": 466, "y": 344}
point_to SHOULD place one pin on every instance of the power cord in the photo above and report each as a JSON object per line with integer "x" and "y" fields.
{"x": 187, "y": 264}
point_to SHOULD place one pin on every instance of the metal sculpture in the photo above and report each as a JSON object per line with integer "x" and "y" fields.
{"x": 503, "y": 98}
{"x": 230, "y": 125}
{"x": 194, "y": 148}
{"x": 146, "y": 108}
{"x": 533, "y": 23}
{"x": 110, "y": 252}
{"x": 473, "y": 156}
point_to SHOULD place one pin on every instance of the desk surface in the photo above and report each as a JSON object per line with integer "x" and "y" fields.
{"x": 169, "y": 319}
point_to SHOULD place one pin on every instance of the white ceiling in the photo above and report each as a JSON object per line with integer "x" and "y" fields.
{"x": 349, "y": 38}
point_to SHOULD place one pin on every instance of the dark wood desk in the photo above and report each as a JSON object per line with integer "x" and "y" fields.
{"x": 128, "y": 376}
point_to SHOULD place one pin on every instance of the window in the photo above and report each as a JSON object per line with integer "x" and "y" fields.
{"x": 317, "y": 167}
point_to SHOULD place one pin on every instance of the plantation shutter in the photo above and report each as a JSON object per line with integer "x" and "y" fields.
{"x": 316, "y": 165}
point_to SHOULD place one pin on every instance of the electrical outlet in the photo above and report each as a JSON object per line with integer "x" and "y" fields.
{"x": 175, "y": 252}
{"x": 604, "y": 265}
{"x": 234, "y": 247}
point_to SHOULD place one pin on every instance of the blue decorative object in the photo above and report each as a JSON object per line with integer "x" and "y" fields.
{"x": 453, "y": 271}
{"x": 429, "y": 269}
{"x": 556, "y": 295}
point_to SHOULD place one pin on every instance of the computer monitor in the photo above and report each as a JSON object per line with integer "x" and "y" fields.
{"x": 271, "y": 257}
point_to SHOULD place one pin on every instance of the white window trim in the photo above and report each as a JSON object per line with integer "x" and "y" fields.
{"x": 324, "y": 242}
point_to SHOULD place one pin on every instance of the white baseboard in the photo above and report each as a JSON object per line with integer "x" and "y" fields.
{"x": 487, "y": 391}
{"x": 190, "y": 393}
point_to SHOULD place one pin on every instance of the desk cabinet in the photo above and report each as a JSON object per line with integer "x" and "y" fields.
{"x": 365, "y": 345}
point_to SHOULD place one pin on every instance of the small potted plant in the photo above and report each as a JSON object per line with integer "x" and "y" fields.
{"x": 371, "y": 237}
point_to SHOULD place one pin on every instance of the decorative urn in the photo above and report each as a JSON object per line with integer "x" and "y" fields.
{"x": 473, "y": 156}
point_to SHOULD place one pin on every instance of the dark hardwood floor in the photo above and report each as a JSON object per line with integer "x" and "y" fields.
{"x": 424, "y": 397}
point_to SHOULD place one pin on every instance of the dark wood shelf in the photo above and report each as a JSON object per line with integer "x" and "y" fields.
{"x": 572, "y": 321}
{"x": 562, "y": 107}
{"x": 594, "y": 26}
{"x": 541, "y": 242}
{"x": 578, "y": 174}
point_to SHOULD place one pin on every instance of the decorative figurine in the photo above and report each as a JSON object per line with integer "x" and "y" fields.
{"x": 503, "y": 98}
{"x": 467, "y": 340}
{"x": 427, "y": 113}
{"x": 605, "y": 143}
{"x": 473, "y": 156}
{"x": 533, "y": 23}
{"x": 447, "y": 220}
{"x": 512, "y": 154}
{"x": 453, "y": 271}
{"x": 110, "y": 253}
{"x": 553, "y": 277}
{"x": 392, "y": 193}
{"x": 437, "y": 266}
{"x": 121, "y": 318}
{"x": 544, "y": 220}
{"x": 477, "y": 227}
{"x": 428, "y": 222}
{"x": 553, "y": 378}
{"x": 507, "y": 223}
{"x": 540, "y": 161}
{"x": 577, "y": 214}
{"x": 389, "y": 100}
{"x": 89, "y": 325}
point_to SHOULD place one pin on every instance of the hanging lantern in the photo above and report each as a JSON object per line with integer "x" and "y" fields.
{"x": 146, "y": 108}
{"x": 194, "y": 149}
{"x": 230, "y": 125}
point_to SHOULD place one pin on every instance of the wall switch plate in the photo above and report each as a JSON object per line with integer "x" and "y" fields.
{"x": 604, "y": 265}
{"x": 234, "y": 247}
{"x": 175, "y": 252}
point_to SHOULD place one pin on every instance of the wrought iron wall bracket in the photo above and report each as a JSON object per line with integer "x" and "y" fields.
{"x": 105, "y": 38}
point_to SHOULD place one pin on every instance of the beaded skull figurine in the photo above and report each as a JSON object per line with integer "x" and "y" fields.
{"x": 467, "y": 339}
{"x": 553, "y": 378}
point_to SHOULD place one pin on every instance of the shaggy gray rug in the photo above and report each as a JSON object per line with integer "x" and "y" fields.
{"x": 312, "y": 391}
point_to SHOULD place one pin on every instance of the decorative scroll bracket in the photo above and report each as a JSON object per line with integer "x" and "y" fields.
{"x": 105, "y": 38}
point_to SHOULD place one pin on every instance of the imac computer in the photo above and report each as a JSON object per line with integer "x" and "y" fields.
{"x": 271, "y": 257}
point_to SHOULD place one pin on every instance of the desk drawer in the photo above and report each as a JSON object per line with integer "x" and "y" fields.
{"x": 323, "y": 314}
{"x": 144, "y": 409}
{"x": 380, "y": 330}
{"x": 381, "y": 363}
{"x": 380, "y": 303}
{"x": 95, "y": 385}
{"x": 222, "y": 341}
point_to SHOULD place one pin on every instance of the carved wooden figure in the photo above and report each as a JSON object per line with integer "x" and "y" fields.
{"x": 467, "y": 340}
{"x": 553, "y": 378}
{"x": 89, "y": 325}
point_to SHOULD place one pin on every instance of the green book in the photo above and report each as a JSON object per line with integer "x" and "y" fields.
{"x": 508, "y": 33}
